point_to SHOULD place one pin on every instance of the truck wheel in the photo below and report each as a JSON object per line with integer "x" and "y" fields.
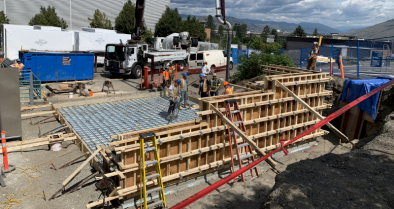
{"x": 136, "y": 72}
{"x": 230, "y": 67}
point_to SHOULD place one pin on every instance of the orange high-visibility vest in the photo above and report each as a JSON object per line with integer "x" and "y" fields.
{"x": 171, "y": 68}
{"x": 229, "y": 91}
{"x": 19, "y": 67}
{"x": 166, "y": 75}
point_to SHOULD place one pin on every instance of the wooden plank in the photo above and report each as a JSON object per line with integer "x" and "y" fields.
{"x": 34, "y": 107}
{"x": 335, "y": 130}
{"x": 38, "y": 113}
{"x": 81, "y": 166}
{"x": 38, "y": 144}
{"x": 240, "y": 133}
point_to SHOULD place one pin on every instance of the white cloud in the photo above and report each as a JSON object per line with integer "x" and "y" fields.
{"x": 333, "y": 13}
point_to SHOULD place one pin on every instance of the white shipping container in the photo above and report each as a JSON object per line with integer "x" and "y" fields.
{"x": 17, "y": 39}
{"x": 98, "y": 30}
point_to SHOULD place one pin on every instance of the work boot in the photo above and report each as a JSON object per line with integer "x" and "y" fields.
{"x": 180, "y": 107}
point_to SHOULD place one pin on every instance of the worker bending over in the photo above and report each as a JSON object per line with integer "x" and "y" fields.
{"x": 205, "y": 85}
{"x": 174, "y": 92}
{"x": 313, "y": 56}
{"x": 166, "y": 77}
{"x": 227, "y": 88}
{"x": 205, "y": 69}
{"x": 215, "y": 85}
{"x": 184, "y": 89}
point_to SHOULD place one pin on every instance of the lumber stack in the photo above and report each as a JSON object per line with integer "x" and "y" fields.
{"x": 191, "y": 149}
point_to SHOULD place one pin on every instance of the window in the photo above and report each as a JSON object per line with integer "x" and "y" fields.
{"x": 131, "y": 51}
{"x": 110, "y": 48}
{"x": 224, "y": 53}
{"x": 192, "y": 57}
{"x": 200, "y": 56}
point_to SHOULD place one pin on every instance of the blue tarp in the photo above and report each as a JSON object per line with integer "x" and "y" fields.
{"x": 358, "y": 88}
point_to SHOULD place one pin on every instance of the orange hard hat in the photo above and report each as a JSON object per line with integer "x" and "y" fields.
{"x": 225, "y": 83}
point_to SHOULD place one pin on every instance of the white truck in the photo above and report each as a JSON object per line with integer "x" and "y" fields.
{"x": 129, "y": 59}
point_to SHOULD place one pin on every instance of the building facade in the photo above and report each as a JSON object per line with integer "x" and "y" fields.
{"x": 76, "y": 12}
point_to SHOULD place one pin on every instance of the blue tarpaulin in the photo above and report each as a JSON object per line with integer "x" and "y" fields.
{"x": 358, "y": 88}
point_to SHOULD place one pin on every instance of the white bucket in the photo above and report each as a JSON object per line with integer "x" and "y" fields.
{"x": 70, "y": 94}
{"x": 56, "y": 147}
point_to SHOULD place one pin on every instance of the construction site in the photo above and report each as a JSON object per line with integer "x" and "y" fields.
{"x": 290, "y": 138}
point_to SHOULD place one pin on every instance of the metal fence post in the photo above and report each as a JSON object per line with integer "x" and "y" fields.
{"x": 358, "y": 59}
{"x": 301, "y": 59}
{"x": 31, "y": 89}
{"x": 332, "y": 55}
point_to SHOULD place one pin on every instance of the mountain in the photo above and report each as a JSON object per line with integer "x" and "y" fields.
{"x": 257, "y": 26}
{"x": 383, "y": 29}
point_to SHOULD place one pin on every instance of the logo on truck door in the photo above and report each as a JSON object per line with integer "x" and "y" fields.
{"x": 41, "y": 42}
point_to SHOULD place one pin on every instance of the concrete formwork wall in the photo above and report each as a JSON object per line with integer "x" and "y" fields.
{"x": 269, "y": 115}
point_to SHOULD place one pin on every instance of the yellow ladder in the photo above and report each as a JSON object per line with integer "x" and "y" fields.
{"x": 145, "y": 138}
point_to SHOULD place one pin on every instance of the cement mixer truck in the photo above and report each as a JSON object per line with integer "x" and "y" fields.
{"x": 130, "y": 58}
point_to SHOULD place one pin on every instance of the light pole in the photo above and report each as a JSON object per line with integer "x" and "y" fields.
{"x": 71, "y": 20}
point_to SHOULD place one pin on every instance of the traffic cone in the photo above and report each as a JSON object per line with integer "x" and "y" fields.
{"x": 330, "y": 66}
{"x": 320, "y": 69}
{"x": 7, "y": 168}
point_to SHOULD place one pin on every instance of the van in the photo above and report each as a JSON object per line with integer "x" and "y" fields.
{"x": 214, "y": 58}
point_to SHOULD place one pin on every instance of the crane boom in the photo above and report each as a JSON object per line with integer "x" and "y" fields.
{"x": 139, "y": 26}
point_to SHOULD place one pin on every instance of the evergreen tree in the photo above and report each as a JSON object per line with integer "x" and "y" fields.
{"x": 210, "y": 23}
{"x": 315, "y": 33}
{"x": 48, "y": 17}
{"x": 124, "y": 22}
{"x": 3, "y": 18}
{"x": 299, "y": 31}
{"x": 170, "y": 22}
{"x": 147, "y": 37}
{"x": 100, "y": 20}
{"x": 266, "y": 32}
{"x": 194, "y": 27}
{"x": 240, "y": 30}
{"x": 221, "y": 31}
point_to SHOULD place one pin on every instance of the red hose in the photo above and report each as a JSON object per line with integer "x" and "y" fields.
{"x": 321, "y": 123}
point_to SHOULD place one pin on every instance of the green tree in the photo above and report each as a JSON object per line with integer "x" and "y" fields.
{"x": 3, "y": 18}
{"x": 210, "y": 23}
{"x": 194, "y": 27}
{"x": 48, "y": 17}
{"x": 100, "y": 20}
{"x": 266, "y": 32}
{"x": 147, "y": 37}
{"x": 240, "y": 30}
{"x": 299, "y": 31}
{"x": 315, "y": 33}
{"x": 170, "y": 22}
{"x": 267, "y": 53}
{"x": 124, "y": 22}
{"x": 221, "y": 31}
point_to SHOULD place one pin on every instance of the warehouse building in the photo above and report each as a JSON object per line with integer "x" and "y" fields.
{"x": 76, "y": 13}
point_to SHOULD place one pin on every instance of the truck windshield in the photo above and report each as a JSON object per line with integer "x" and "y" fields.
{"x": 115, "y": 52}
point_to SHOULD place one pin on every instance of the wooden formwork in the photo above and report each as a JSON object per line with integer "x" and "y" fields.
{"x": 191, "y": 149}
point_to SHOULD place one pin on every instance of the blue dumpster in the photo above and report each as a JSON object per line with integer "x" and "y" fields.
{"x": 59, "y": 66}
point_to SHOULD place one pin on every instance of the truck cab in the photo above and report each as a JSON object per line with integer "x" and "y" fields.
{"x": 125, "y": 59}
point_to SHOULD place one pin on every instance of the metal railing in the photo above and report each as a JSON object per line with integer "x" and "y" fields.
{"x": 24, "y": 84}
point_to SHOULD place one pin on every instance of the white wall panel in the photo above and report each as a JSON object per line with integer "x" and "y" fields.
{"x": 21, "y": 11}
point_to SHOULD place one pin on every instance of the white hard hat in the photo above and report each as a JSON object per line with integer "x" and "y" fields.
{"x": 315, "y": 43}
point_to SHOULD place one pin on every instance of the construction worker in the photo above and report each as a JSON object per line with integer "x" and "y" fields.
{"x": 313, "y": 56}
{"x": 205, "y": 85}
{"x": 174, "y": 91}
{"x": 20, "y": 66}
{"x": 227, "y": 88}
{"x": 184, "y": 89}
{"x": 171, "y": 71}
{"x": 166, "y": 77}
{"x": 215, "y": 85}
{"x": 205, "y": 69}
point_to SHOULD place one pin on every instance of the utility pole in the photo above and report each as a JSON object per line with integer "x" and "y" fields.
{"x": 71, "y": 20}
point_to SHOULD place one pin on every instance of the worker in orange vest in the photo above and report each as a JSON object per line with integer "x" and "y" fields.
{"x": 227, "y": 88}
{"x": 171, "y": 71}
{"x": 19, "y": 65}
{"x": 166, "y": 77}
{"x": 313, "y": 57}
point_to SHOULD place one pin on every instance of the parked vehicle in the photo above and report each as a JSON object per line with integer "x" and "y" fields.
{"x": 214, "y": 58}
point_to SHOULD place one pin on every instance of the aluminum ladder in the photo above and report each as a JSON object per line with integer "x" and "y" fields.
{"x": 145, "y": 138}
{"x": 248, "y": 154}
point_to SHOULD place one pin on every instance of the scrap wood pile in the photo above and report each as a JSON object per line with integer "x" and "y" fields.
{"x": 290, "y": 101}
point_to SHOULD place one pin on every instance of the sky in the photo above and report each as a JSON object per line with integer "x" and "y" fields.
{"x": 333, "y": 13}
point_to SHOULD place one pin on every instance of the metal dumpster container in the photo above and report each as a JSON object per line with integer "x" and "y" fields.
{"x": 59, "y": 66}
